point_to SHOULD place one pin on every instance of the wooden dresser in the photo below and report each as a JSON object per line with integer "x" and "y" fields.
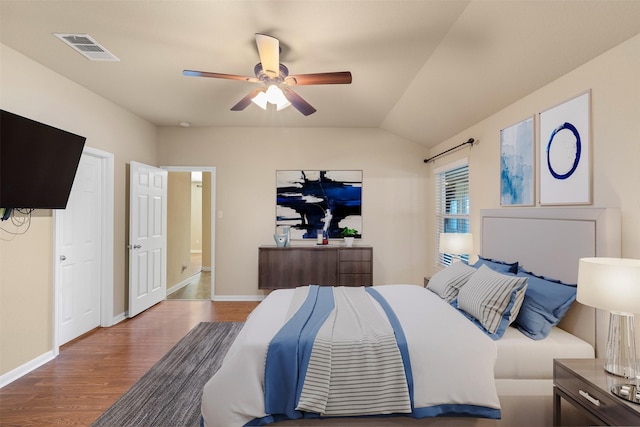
{"x": 327, "y": 265}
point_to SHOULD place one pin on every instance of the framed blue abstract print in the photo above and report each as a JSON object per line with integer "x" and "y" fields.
{"x": 565, "y": 153}
{"x": 517, "y": 177}
{"x": 314, "y": 202}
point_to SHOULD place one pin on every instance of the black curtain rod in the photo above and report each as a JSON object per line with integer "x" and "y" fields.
{"x": 470, "y": 141}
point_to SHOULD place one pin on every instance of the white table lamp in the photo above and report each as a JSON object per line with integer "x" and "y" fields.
{"x": 613, "y": 284}
{"x": 456, "y": 244}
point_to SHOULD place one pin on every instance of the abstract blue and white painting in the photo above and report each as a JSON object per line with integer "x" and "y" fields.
{"x": 517, "y": 184}
{"x": 313, "y": 201}
{"x": 565, "y": 153}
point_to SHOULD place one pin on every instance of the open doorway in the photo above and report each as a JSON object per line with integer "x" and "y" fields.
{"x": 190, "y": 233}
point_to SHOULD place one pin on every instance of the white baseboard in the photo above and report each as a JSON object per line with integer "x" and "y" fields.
{"x": 31, "y": 365}
{"x": 16, "y": 373}
{"x": 119, "y": 318}
{"x": 238, "y": 297}
{"x": 180, "y": 285}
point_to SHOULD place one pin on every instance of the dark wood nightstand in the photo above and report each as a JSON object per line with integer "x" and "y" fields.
{"x": 585, "y": 384}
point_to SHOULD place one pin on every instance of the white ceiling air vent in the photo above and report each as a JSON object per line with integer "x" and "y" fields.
{"x": 87, "y": 46}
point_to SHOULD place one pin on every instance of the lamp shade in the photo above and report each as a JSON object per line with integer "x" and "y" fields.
{"x": 611, "y": 284}
{"x": 456, "y": 243}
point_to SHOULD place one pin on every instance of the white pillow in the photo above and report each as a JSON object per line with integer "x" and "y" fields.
{"x": 493, "y": 299}
{"x": 446, "y": 282}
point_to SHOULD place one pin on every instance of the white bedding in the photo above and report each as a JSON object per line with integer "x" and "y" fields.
{"x": 444, "y": 369}
{"x": 520, "y": 357}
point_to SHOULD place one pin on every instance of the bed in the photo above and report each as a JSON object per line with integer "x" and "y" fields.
{"x": 457, "y": 370}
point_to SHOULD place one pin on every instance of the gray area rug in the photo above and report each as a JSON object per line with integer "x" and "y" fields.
{"x": 169, "y": 394}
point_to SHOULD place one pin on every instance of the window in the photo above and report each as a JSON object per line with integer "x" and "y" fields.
{"x": 452, "y": 204}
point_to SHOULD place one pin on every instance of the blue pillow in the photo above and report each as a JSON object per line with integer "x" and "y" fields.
{"x": 499, "y": 266}
{"x": 546, "y": 301}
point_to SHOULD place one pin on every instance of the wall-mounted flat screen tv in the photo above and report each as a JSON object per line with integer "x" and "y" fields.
{"x": 38, "y": 163}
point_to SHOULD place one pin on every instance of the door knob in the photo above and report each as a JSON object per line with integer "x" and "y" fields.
{"x": 134, "y": 246}
{"x": 63, "y": 258}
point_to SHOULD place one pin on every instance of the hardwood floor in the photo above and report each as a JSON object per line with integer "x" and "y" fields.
{"x": 91, "y": 372}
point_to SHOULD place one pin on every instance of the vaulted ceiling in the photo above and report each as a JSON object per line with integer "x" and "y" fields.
{"x": 424, "y": 70}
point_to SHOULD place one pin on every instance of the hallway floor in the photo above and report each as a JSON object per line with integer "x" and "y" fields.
{"x": 198, "y": 289}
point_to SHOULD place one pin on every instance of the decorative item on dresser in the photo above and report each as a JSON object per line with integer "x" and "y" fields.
{"x": 289, "y": 267}
{"x": 349, "y": 234}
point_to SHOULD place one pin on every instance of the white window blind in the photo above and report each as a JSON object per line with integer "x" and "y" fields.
{"x": 452, "y": 206}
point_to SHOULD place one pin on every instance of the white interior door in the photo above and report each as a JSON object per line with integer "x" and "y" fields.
{"x": 79, "y": 241}
{"x": 147, "y": 237}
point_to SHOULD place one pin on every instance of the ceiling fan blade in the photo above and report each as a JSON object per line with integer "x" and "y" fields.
{"x": 269, "y": 51}
{"x": 336, "y": 78}
{"x": 301, "y": 105}
{"x": 244, "y": 102}
{"x": 193, "y": 73}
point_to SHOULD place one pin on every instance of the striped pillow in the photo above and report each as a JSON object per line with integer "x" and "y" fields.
{"x": 493, "y": 299}
{"x": 446, "y": 283}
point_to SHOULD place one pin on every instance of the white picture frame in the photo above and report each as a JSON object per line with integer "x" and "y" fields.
{"x": 565, "y": 153}
{"x": 517, "y": 164}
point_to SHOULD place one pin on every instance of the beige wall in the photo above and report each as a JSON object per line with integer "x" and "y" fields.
{"x": 26, "y": 269}
{"x": 614, "y": 80}
{"x": 246, "y": 160}
{"x": 26, "y": 293}
{"x": 178, "y": 227}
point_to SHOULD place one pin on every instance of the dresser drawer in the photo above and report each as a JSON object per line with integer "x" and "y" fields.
{"x": 356, "y": 254}
{"x": 354, "y": 267}
{"x": 594, "y": 399}
{"x": 356, "y": 279}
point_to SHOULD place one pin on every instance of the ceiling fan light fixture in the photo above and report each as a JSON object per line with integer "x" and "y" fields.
{"x": 260, "y": 100}
{"x": 273, "y": 95}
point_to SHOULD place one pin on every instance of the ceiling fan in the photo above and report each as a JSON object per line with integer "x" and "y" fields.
{"x": 276, "y": 79}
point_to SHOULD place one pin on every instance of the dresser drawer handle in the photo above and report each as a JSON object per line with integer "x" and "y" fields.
{"x": 589, "y": 398}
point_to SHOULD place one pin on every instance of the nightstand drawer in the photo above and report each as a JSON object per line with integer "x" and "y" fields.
{"x": 594, "y": 399}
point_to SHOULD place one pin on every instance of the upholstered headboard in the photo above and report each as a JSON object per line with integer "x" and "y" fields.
{"x": 550, "y": 241}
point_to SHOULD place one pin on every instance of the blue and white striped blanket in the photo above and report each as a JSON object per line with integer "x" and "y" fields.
{"x": 338, "y": 356}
